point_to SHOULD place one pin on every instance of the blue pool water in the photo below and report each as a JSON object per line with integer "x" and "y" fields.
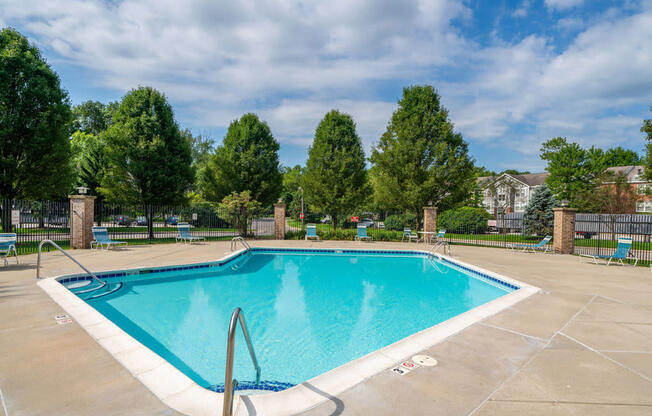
{"x": 307, "y": 312}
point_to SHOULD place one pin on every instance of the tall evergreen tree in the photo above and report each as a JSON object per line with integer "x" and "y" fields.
{"x": 246, "y": 161}
{"x": 420, "y": 159}
{"x": 35, "y": 122}
{"x": 647, "y": 129}
{"x": 148, "y": 160}
{"x": 538, "y": 217}
{"x": 335, "y": 177}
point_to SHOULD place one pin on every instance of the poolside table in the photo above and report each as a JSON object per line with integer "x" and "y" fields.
{"x": 427, "y": 235}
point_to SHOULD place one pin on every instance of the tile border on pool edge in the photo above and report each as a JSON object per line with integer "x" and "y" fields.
{"x": 179, "y": 392}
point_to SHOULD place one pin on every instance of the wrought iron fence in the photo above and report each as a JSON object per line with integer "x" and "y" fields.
{"x": 33, "y": 221}
{"x": 597, "y": 234}
{"x": 149, "y": 224}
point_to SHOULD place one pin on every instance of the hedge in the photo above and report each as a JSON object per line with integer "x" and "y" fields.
{"x": 400, "y": 221}
{"x": 464, "y": 220}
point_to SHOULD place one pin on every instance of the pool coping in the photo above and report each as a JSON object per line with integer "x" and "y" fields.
{"x": 179, "y": 392}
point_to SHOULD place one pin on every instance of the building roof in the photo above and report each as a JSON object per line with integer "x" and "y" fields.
{"x": 632, "y": 172}
{"x": 530, "y": 179}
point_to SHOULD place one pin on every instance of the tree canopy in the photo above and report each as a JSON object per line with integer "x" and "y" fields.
{"x": 246, "y": 161}
{"x": 149, "y": 161}
{"x": 617, "y": 156}
{"x": 93, "y": 117}
{"x": 335, "y": 177}
{"x": 35, "y": 121}
{"x": 646, "y": 128}
{"x": 420, "y": 159}
{"x": 573, "y": 170}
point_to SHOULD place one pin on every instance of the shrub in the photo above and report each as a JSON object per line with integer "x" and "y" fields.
{"x": 400, "y": 221}
{"x": 464, "y": 220}
{"x": 347, "y": 234}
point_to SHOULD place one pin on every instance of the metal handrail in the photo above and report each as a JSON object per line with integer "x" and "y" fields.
{"x": 235, "y": 240}
{"x": 55, "y": 245}
{"x": 437, "y": 245}
{"x": 229, "y": 382}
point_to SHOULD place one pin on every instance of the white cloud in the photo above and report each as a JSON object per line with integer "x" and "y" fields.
{"x": 292, "y": 61}
{"x": 562, "y": 4}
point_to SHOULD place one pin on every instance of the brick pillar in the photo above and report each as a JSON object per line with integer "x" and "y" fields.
{"x": 279, "y": 221}
{"x": 430, "y": 219}
{"x": 564, "y": 233}
{"x": 82, "y": 216}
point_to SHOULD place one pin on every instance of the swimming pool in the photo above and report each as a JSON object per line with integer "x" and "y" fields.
{"x": 308, "y": 311}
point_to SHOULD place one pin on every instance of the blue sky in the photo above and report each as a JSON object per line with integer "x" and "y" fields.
{"x": 512, "y": 73}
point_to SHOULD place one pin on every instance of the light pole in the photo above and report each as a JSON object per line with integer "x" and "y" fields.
{"x": 302, "y": 214}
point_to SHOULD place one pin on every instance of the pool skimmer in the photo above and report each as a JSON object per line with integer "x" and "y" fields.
{"x": 425, "y": 360}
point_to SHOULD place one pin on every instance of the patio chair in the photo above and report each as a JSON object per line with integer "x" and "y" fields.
{"x": 408, "y": 233}
{"x": 102, "y": 238}
{"x": 185, "y": 235}
{"x": 540, "y": 246}
{"x": 362, "y": 233}
{"x": 621, "y": 253}
{"x": 311, "y": 232}
{"x": 7, "y": 245}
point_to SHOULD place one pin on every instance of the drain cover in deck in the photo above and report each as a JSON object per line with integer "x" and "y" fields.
{"x": 424, "y": 360}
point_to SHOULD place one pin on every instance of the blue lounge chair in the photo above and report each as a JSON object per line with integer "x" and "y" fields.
{"x": 311, "y": 232}
{"x": 102, "y": 238}
{"x": 622, "y": 253}
{"x": 408, "y": 233}
{"x": 540, "y": 246}
{"x": 7, "y": 245}
{"x": 362, "y": 233}
{"x": 185, "y": 235}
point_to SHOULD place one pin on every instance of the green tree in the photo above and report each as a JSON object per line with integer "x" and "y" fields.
{"x": 246, "y": 161}
{"x": 335, "y": 178}
{"x": 538, "y": 216}
{"x": 149, "y": 162}
{"x": 292, "y": 190}
{"x": 89, "y": 161}
{"x": 647, "y": 129}
{"x": 35, "y": 121}
{"x": 573, "y": 170}
{"x": 617, "y": 156}
{"x": 420, "y": 159}
{"x": 93, "y": 117}
{"x": 238, "y": 209}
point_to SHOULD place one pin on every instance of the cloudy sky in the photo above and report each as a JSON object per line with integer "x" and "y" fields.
{"x": 512, "y": 73}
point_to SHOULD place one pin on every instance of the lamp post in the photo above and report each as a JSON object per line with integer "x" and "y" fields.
{"x": 302, "y": 214}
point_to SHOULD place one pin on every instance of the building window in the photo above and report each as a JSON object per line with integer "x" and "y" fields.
{"x": 644, "y": 206}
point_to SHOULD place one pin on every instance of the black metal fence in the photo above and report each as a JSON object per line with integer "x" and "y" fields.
{"x": 597, "y": 234}
{"x": 149, "y": 224}
{"x": 34, "y": 221}
{"x": 502, "y": 232}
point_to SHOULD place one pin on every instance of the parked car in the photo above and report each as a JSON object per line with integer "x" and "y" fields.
{"x": 122, "y": 220}
{"x": 367, "y": 222}
{"x": 173, "y": 220}
{"x": 142, "y": 221}
{"x": 586, "y": 234}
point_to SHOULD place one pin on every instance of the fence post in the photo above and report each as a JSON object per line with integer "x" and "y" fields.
{"x": 429, "y": 220}
{"x": 82, "y": 216}
{"x": 564, "y": 230}
{"x": 279, "y": 221}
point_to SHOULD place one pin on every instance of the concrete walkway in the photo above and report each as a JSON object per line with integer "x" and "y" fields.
{"x": 581, "y": 346}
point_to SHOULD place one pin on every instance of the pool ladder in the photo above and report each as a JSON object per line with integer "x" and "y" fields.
{"x": 55, "y": 245}
{"x": 241, "y": 240}
{"x": 229, "y": 382}
{"x": 440, "y": 244}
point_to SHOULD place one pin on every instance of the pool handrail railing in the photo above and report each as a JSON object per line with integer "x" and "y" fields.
{"x": 55, "y": 245}
{"x": 229, "y": 382}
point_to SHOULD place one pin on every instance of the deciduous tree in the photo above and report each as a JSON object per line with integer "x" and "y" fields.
{"x": 148, "y": 160}
{"x": 335, "y": 177}
{"x": 246, "y": 161}
{"x": 35, "y": 122}
{"x": 573, "y": 170}
{"x": 420, "y": 159}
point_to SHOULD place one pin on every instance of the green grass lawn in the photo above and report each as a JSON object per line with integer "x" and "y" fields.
{"x": 320, "y": 226}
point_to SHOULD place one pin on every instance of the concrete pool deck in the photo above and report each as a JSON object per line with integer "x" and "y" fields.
{"x": 583, "y": 345}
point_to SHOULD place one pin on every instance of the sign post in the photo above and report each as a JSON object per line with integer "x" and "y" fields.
{"x": 15, "y": 217}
